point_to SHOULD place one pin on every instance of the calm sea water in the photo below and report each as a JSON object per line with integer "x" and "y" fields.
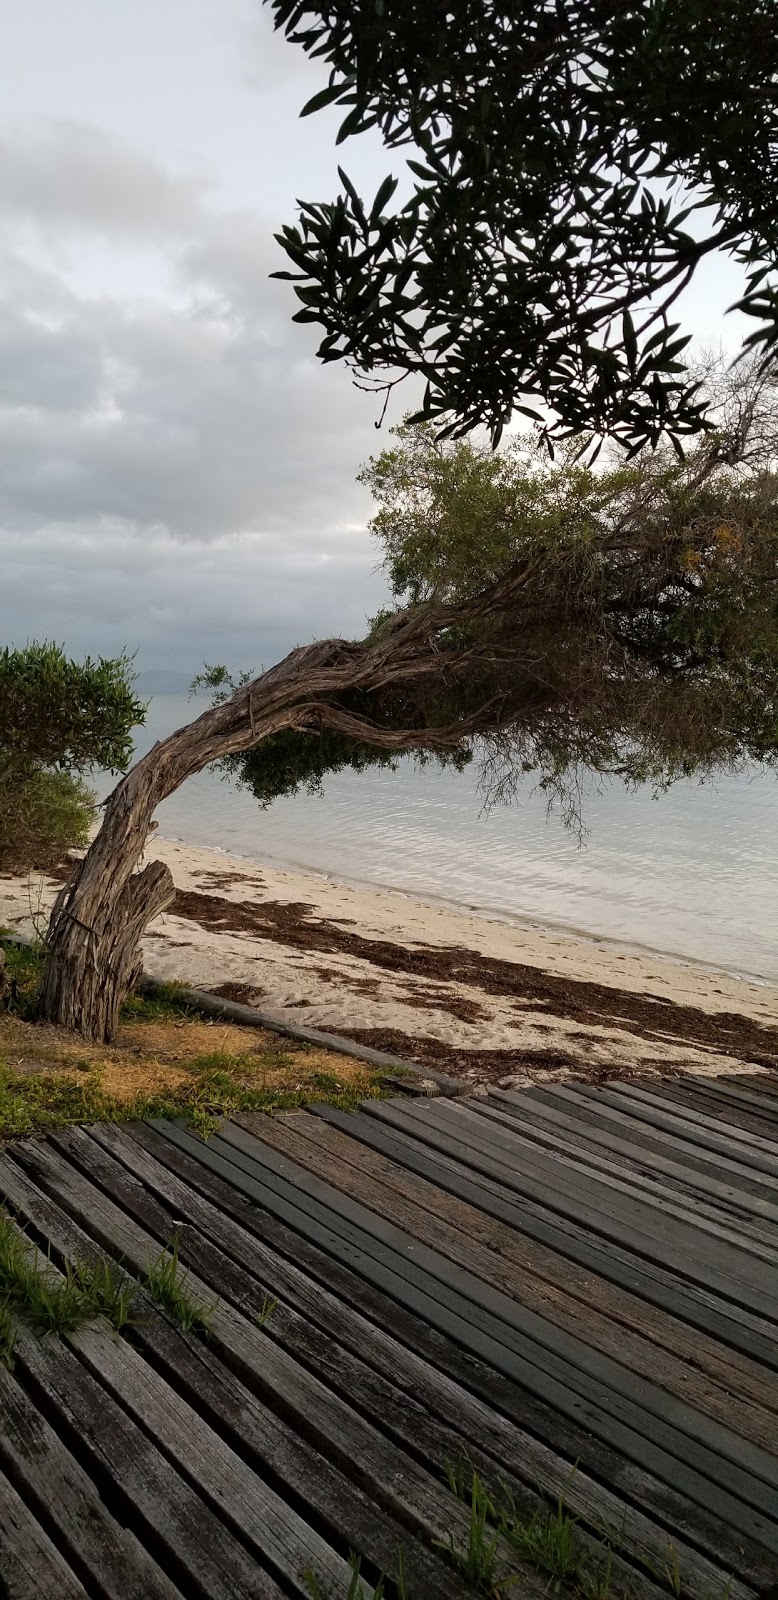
{"x": 693, "y": 873}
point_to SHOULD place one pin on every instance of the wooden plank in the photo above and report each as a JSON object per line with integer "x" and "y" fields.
{"x": 682, "y": 1129}
{"x": 623, "y": 1116}
{"x": 743, "y": 1211}
{"x": 335, "y": 1427}
{"x": 337, "y": 1161}
{"x": 241, "y": 1416}
{"x": 724, "y": 1240}
{"x": 460, "y": 1232}
{"x": 718, "y": 1361}
{"x": 278, "y": 1535}
{"x": 686, "y": 1252}
{"x": 688, "y": 1448}
{"x": 201, "y": 1553}
{"x": 735, "y": 1091}
{"x": 31, "y": 1568}
{"x": 740, "y": 1139}
{"x": 725, "y": 1109}
{"x": 455, "y": 1383}
{"x": 67, "y": 1503}
{"x": 737, "y": 1327}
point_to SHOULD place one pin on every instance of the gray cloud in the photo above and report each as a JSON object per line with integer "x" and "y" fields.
{"x": 69, "y": 175}
{"x": 178, "y": 470}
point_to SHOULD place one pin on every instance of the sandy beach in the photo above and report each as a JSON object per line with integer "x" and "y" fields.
{"x": 491, "y": 1001}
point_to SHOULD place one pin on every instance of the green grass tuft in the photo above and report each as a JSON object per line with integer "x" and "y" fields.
{"x": 52, "y": 1302}
{"x": 475, "y": 1562}
{"x": 7, "y": 1336}
{"x": 549, "y": 1541}
{"x": 166, "y": 1281}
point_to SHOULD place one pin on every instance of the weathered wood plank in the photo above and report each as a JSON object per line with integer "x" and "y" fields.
{"x": 738, "y": 1113}
{"x": 587, "y": 1321}
{"x": 726, "y": 1241}
{"x": 31, "y": 1568}
{"x": 67, "y": 1502}
{"x": 734, "y": 1325}
{"x": 201, "y": 1553}
{"x": 625, "y": 1118}
{"x": 393, "y": 1477}
{"x": 710, "y": 1357}
{"x": 335, "y": 1501}
{"x": 657, "y": 1418}
{"x": 534, "y": 1457}
{"x": 641, "y": 1164}
{"x": 739, "y": 1139}
{"x": 680, "y": 1129}
{"x": 687, "y": 1252}
{"x": 280, "y": 1537}
{"x": 744, "y": 1091}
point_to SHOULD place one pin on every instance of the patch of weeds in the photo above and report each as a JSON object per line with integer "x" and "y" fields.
{"x": 23, "y": 963}
{"x": 476, "y": 1561}
{"x": 356, "y": 1588}
{"x": 52, "y": 1303}
{"x": 166, "y": 1281}
{"x": 549, "y": 1541}
{"x": 106, "y": 1291}
{"x": 165, "y": 1004}
{"x": 266, "y": 1309}
{"x": 7, "y": 1336}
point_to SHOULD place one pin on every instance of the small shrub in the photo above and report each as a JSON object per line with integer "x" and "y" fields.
{"x": 43, "y": 814}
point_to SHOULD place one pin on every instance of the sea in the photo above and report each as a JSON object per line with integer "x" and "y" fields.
{"x": 691, "y": 873}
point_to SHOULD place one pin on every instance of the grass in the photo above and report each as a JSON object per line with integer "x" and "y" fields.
{"x": 166, "y": 1282}
{"x": 266, "y": 1309}
{"x": 153, "y": 1068}
{"x": 476, "y": 1561}
{"x": 32, "y": 1292}
{"x": 356, "y": 1588}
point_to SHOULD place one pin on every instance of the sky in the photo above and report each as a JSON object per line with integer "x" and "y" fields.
{"x": 177, "y": 472}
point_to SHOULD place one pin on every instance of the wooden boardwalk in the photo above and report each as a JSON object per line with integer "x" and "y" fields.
{"x": 575, "y": 1290}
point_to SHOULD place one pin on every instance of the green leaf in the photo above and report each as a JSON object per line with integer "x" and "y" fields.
{"x": 325, "y": 97}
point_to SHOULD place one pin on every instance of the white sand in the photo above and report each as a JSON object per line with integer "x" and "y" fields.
{"x": 342, "y": 991}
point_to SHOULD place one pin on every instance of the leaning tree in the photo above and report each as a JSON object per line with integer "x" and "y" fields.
{"x": 571, "y": 163}
{"x": 554, "y": 617}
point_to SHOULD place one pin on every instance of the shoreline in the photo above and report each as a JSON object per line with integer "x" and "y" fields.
{"x": 474, "y": 995}
{"x": 532, "y": 925}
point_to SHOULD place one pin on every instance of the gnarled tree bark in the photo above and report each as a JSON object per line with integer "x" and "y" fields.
{"x": 99, "y": 918}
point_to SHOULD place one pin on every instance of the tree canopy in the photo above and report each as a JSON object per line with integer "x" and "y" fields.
{"x": 572, "y": 163}
{"x": 550, "y": 616}
{"x": 58, "y": 718}
{"x": 555, "y": 617}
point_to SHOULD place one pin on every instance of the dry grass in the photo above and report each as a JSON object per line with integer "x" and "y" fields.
{"x": 164, "y": 1061}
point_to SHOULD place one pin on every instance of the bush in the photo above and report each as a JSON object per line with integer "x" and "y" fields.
{"x": 58, "y": 719}
{"x": 43, "y": 814}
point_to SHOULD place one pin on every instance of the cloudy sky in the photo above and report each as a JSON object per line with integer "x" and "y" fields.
{"x": 176, "y": 472}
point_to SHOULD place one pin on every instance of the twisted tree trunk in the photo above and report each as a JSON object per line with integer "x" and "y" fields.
{"x": 92, "y": 955}
{"x": 99, "y": 918}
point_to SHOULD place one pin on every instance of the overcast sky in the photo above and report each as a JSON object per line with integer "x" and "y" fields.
{"x": 176, "y": 471}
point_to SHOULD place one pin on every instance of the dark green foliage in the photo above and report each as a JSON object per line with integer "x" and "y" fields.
{"x": 556, "y": 617}
{"x": 67, "y": 714}
{"x": 58, "y": 718}
{"x": 289, "y": 761}
{"x": 43, "y": 814}
{"x": 571, "y": 162}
